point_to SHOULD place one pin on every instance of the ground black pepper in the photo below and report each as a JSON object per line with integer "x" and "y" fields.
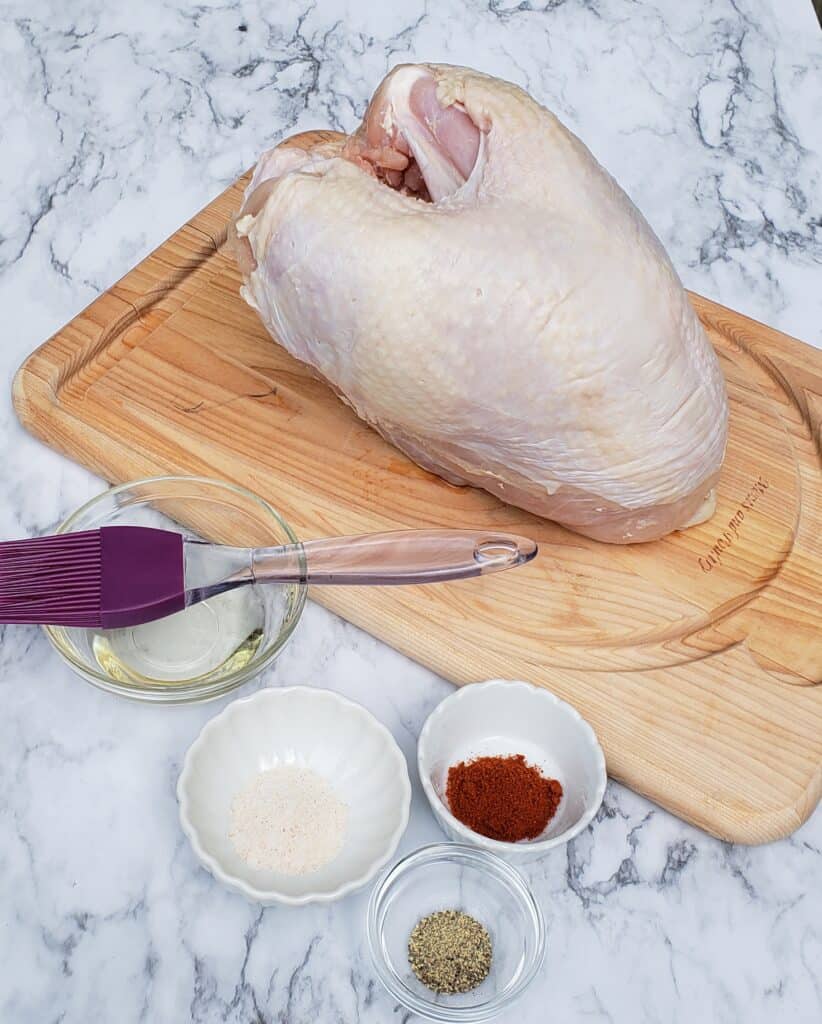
{"x": 450, "y": 952}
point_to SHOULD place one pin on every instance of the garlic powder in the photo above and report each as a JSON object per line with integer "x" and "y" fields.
{"x": 288, "y": 819}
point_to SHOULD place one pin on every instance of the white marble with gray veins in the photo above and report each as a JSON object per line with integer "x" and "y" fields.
{"x": 119, "y": 121}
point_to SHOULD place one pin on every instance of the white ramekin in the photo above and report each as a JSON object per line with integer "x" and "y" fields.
{"x": 499, "y": 718}
{"x": 316, "y": 729}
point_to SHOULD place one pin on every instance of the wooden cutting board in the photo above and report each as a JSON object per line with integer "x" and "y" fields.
{"x": 694, "y": 657}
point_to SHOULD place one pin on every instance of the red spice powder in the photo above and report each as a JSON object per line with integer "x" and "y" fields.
{"x": 502, "y": 797}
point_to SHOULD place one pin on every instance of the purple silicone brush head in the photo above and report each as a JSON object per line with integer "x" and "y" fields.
{"x": 100, "y": 579}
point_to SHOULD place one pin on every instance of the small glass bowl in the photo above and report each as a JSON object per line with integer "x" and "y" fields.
{"x": 180, "y": 658}
{"x": 449, "y": 876}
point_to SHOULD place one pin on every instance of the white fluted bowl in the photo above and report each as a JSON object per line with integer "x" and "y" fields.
{"x": 318, "y": 730}
{"x": 501, "y": 718}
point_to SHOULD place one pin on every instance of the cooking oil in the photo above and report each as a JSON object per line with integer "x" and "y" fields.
{"x": 207, "y": 641}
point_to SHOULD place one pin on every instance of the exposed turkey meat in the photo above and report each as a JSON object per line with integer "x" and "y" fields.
{"x": 482, "y": 292}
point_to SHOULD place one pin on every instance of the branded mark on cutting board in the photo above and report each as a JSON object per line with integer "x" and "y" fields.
{"x": 707, "y": 563}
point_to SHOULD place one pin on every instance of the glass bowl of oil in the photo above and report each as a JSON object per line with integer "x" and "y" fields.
{"x": 208, "y": 649}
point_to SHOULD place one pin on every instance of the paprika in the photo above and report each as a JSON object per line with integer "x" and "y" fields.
{"x": 503, "y": 798}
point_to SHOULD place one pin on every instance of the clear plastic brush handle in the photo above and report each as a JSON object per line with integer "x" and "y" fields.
{"x": 386, "y": 559}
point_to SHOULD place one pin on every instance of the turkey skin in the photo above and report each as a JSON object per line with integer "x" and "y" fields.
{"x": 479, "y": 289}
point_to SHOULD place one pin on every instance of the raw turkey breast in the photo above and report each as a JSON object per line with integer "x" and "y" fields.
{"x": 482, "y": 292}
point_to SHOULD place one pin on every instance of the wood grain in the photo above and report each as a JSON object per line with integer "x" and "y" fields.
{"x": 695, "y": 657}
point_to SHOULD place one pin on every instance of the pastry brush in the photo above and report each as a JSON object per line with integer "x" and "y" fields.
{"x": 119, "y": 576}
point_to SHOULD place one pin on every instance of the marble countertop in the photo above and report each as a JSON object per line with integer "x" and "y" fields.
{"x": 118, "y": 122}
